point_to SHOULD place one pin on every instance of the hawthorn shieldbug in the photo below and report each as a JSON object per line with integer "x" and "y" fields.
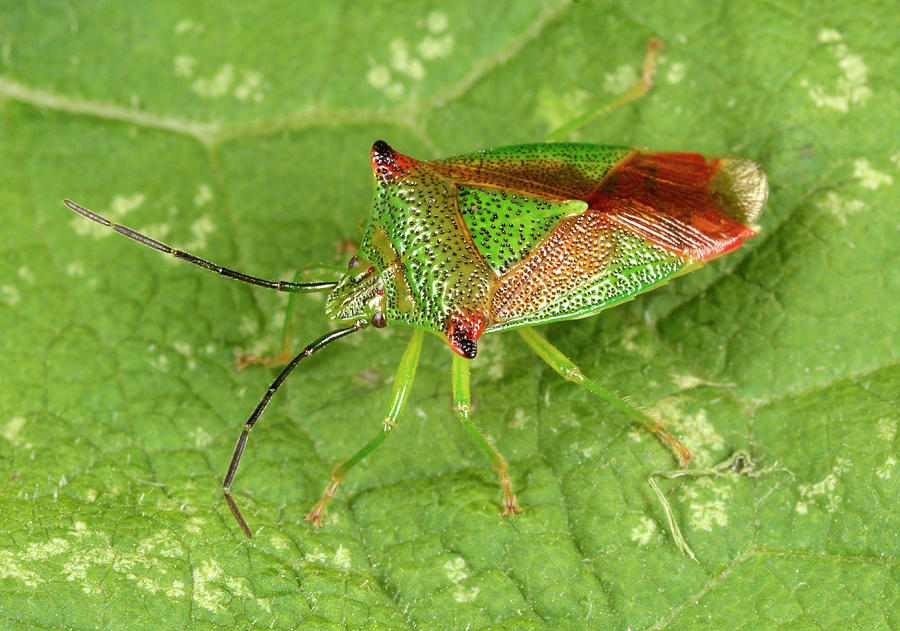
{"x": 508, "y": 238}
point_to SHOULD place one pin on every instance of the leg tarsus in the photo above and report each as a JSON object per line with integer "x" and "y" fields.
{"x": 511, "y": 507}
{"x": 666, "y": 438}
{"x": 639, "y": 89}
{"x": 245, "y": 361}
{"x": 315, "y": 515}
{"x": 284, "y": 355}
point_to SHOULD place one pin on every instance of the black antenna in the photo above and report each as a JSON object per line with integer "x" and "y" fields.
{"x": 320, "y": 343}
{"x": 280, "y": 285}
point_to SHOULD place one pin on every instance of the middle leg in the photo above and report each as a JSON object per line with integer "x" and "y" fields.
{"x": 462, "y": 404}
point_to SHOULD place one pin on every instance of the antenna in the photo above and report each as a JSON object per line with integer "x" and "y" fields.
{"x": 279, "y": 285}
{"x": 320, "y": 343}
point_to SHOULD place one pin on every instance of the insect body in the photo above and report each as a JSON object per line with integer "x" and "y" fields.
{"x": 508, "y": 238}
{"x": 529, "y": 234}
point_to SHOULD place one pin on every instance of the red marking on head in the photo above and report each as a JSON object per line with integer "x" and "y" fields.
{"x": 387, "y": 163}
{"x": 463, "y": 332}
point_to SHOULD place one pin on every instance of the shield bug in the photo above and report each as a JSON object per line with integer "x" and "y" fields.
{"x": 508, "y": 238}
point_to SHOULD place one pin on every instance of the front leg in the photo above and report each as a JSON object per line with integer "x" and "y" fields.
{"x": 287, "y": 329}
{"x": 403, "y": 381}
{"x": 462, "y": 404}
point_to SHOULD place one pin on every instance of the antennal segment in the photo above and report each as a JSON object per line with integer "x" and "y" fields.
{"x": 279, "y": 285}
{"x": 320, "y": 343}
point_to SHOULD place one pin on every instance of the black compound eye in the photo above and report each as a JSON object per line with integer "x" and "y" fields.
{"x": 354, "y": 262}
{"x": 378, "y": 320}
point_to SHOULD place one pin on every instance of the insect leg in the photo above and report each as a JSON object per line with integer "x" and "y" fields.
{"x": 635, "y": 92}
{"x": 462, "y": 405}
{"x": 403, "y": 381}
{"x": 242, "y": 440}
{"x": 284, "y": 354}
{"x": 287, "y": 329}
{"x": 279, "y": 285}
{"x": 570, "y": 372}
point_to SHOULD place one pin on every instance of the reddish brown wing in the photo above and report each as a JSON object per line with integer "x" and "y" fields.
{"x": 682, "y": 202}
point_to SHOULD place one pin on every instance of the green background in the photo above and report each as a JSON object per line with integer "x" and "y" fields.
{"x": 242, "y": 132}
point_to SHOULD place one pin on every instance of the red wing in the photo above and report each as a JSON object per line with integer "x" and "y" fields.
{"x": 684, "y": 203}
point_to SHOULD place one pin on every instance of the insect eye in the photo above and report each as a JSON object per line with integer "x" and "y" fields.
{"x": 378, "y": 320}
{"x": 354, "y": 262}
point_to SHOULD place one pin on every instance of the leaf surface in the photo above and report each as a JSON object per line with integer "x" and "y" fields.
{"x": 242, "y": 133}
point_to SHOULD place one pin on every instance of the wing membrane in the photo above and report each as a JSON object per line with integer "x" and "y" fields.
{"x": 682, "y": 202}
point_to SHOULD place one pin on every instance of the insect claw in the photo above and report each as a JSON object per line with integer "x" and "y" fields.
{"x": 512, "y": 508}
{"x": 315, "y": 515}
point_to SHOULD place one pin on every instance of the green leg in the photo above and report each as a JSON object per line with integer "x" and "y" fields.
{"x": 636, "y": 91}
{"x": 285, "y": 353}
{"x": 288, "y": 328}
{"x": 462, "y": 404}
{"x": 570, "y": 372}
{"x": 403, "y": 381}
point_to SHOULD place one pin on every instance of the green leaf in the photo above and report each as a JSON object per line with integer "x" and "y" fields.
{"x": 241, "y": 132}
